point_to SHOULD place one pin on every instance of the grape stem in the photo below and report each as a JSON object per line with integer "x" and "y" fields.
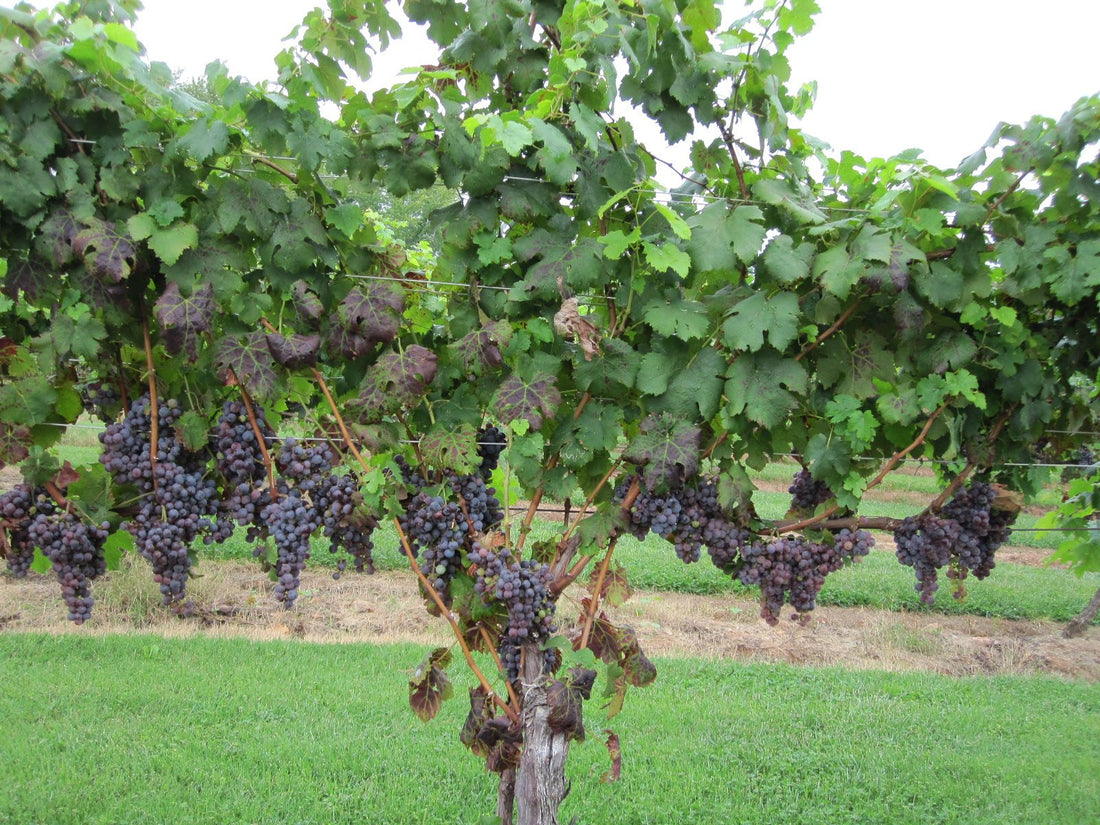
{"x": 594, "y": 604}
{"x": 971, "y": 465}
{"x": 566, "y": 550}
{"x": 782, "y": 527}
{"x": 588, "y": 502}
{"x": 153, "y": 405}
{"x": 536, "y": 499}
{"x": 268, "y": 463}
{"x": 837, "y": 324}
{"x": 446, "y": 612}
{"x": 513, "y": 699}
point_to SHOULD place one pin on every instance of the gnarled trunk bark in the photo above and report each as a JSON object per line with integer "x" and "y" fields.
{"x": 539, "y": 781}
{"x": 1079, "y": 624}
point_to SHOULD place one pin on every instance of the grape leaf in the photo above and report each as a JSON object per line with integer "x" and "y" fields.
{"x": 720, "y": 237}
{"x": 480, "y": 349}
{"x": 759, "y": 314}
{"x": 430, "y": 685}
{"x": 107, "y": 253}
{"x": 14, "y": 440}
{"x": 667, "y": 449}
{"x": 755, "y": 386}
{"x": 679, "y": 319}
{"x": 30, "y": 277}
{"x": 517, "y": 398}
{"x": 294, "y": 351}
{"x": 56, "y": 236}
{"x": 451, "y": 448}
{"x": 182, "y": 319}
{"x": 853, "y": 367}
{"x": 396, "y": 381}
{"x": 308, "y": 306}
{"x": 249, "y": 357}
{"x": 373, "y": 311}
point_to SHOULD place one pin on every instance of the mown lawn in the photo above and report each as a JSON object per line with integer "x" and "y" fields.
{"x": 139, "y": 729}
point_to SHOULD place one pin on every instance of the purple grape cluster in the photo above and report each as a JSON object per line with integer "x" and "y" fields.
{"x": 491, "y": 442}
{"x": 177, "y": 501}
{"x": 478, "y": 501}
{"x": 436, "y": 530}
{"x": 523, "y": 587}
{"x": 345, "y": 524}
{"x": 965, "y": 534}
{"x": 76, "y": 551}
{"x": 17, "y": 506}
{"x": 793, "y": 569}
{"x": 807, "y": 492}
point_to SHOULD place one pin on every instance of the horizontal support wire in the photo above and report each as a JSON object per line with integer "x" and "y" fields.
{"x": 409, "y": 441}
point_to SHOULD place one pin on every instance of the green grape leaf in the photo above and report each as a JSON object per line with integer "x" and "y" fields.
{"x": 762, "y": 387}
{"x": 14, "y": 441}
{"x": 721, "y": 237}
{"x": 852, "y": 367}
{"x": 777, "y": 316}
{"x": 451, "y": 448}
{"x": 681, "y": 319}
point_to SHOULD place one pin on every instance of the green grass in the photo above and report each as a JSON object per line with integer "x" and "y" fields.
{"x": 139, "y": 729}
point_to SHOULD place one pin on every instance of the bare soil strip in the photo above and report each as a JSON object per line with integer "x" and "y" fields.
{"x": 234, "y": 600}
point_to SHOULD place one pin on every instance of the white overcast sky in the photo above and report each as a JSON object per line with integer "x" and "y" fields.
{"x": 892, "y": 74}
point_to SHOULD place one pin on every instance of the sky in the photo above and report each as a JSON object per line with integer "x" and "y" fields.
{"x": 892, "y": 74}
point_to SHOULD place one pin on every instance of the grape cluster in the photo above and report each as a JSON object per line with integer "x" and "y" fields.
{"x": 523, "y": 587}
{"x": 76, "y": 551}
{"x": 436, "y": 530}
{"x": 17, "y": 506}
{"x": 689, "y": 516}
{"x": 491, "y": 442}
{"x": 239, "y": 460}
{"x": 102, "y": 400}
{"x": 925, "y": 543}
{"x": 347, "y": 527}
{"x": 965, "y": 535}
{"x": 177, "y": 501}
{"x": 793, "y": 569}
{"x": 807, "y": 492}
{"x": 481, "y": 506}
{"x": 290, "y": 520}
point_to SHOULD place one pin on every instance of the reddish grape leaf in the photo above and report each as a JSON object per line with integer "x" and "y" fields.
{"x": 480, "y": 713}
{"x": 529, "y": 400}
{"x": 666, "y": 448}
{"x": 480, "y": 349}
{"x": 14, "y": 440}
{"x": 566, "y": 710}
{"x": 249, "y": 357}
{"x": 65, "y": 476}
{"x": 294, "y": 351}
{"x": 30, "y": 277}
{"x": 183, "y": 318}
{"x": 373, "y": 311}
{"x": 637, "y": 668}
{"x": 345, "y": 341}
{"x": 396, "y": 382}
{"x": 8, "y": 349}
{"x": 56, "y": 236}
{"x": 614, "y": 747}
{"x": 309, "y": 306}
{"x": 430, "y": 685}
{"x": 503, "y": 741}
{"x": 107, "y": 253}
{"x": 616, "y": 586}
